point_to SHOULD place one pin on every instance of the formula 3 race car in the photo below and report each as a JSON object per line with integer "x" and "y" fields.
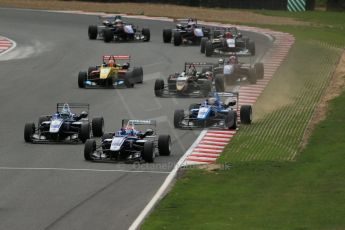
{"x": 218, "y": 111}
{"x": 187, "y": 31}
{"x": 234, "y": 71}
{"x": 129, "y": 144}
{"x": 114, "y": 29}
{"x": 225, "y": 41}
{"x": 64, "y": 126}
{"x": 195, "y": 81}
{"x": 111, "y": 74}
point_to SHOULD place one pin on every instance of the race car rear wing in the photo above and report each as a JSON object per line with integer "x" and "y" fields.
{"x": 86, "y": 106}
{"x": 188, "y": 65}
{"x": 106, "y": 58}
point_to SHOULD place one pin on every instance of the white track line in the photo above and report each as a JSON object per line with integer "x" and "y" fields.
{"x": 81, "y": 170}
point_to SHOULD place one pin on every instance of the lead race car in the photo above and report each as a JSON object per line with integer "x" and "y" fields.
{"x": 64, "y": 126}
{"x": 226, "y": 41}
{"x": 196, "y": 80}
{"x": 114, "y": 29}
{"x": 187, "y": 31}
{"x": 114, "y": 72}
{"x": 218, "y": 111}
{"x": 129, "y": 144}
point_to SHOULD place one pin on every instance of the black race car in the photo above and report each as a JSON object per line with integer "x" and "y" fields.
{"x": 64, "y": 126}
{"x": 196, "y": 80}
{"x": 114, "y": 29}
{"x": 129, "y": 144}
{"x": 187, "y": 31}
{"x": 225, "y": 41}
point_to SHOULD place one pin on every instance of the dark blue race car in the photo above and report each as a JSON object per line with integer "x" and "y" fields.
{"x": 214, "y": 112}
{"x": 129, "y": 144}
{"x": 64, "y": 126}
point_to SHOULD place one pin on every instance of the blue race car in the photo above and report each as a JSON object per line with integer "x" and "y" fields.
{"x": 64, "y": 126}
{"x": 214, "y": 112}
{"x": 129, "y": 144}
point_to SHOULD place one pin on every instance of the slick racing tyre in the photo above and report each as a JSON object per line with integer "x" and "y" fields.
{"x": 148, "y": 152}
{"x": 208, "y": 49}
{"x": 252, "y": 77}
{"x": 89, "y": 148}
{"x": 177, "y": 38}
{"x": 138, "y": 74}
{"x": 167, "y": 34}
{"x": 108, "y": 35}
{"x": 29, "y": 131}
{"x": 246, "y": 114}
{"x": 92, "y": 32}
{"x": 164, "y": 145}
{"x": 84, "y": 132}
{"x": 159, "y": 87}
{"x": 97, "y": 126}
{"x": 178, "y": 117}
{"x": 231, "y": 120}
{"x": 82, "y": 76}
{"x": 146, "y": 33}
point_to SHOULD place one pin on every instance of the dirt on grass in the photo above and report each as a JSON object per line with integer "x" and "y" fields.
{"x": 334, "y": 89}
{"x": 159, "y": 10}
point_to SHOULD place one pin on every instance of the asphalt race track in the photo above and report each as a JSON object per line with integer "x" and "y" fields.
{"x": 51, "y": 186}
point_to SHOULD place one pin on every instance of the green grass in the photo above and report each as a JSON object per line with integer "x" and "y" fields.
{"x": 306, "y": 194}
{"x": 265, "y": 189}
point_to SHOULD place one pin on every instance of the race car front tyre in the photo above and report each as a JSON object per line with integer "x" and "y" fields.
{"x": 178, "y": 117}
{"x": 29, "y": 131}
{"x": 251, "y": 48}
{"x": 97, "y": 126}
{"x": 84, "y": 132}
{"x": 164, "y": 145}
{"x": 177, "y": 38}
{"x": 108, "y": 35}
{"x": 89, "y": 148}
{"x": 148, "y": 152}
{"x": 159, "y": 87}
{"x": 231, "y": 120}
{"x": 92, "y": 31}
{"x": 146, "y": 33}
{"x": 129, "y": 79}
{"x": 259, "y": 69}
{"x": 138, "y": 74}
{"x": 252, "y": 76}
{"x": 203, "y": 44}
{"x": 208, "y": 49}
{"x": 82, "y": 76}
{"x": 219, "y": 83}
{"x": 246, "y": 114}
{"x": 167, "y": 34}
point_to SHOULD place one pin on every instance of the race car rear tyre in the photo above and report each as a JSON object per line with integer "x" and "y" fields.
{"x": 97, "y": 126}
{"x": 159, "y": 87}
{"x": 164, "y": 145}
{"x": 138, "y": 74}
{"x": 84, "y": 132}
{"x": 177, "y": 38}
{"x": 252, "y": 76}
{"x": 208, "y": 49}
{"x": 146, "y": 33}
{"x": 92, "y": 31}
{"x": 82, "y": 76}
{"x": 231, "y": 120}
{"x": 259, "y": 69}
{"x": 108, "y": 35}
{"x": 148, "y": 152}
{"x": 167, "y": 34}
{"x": 89, "y": 148}
{"x": 203, "y": 44}
{"x": 29, "y": 131}
{"x": 178, "y": 117}
{"x": 246, "y": 114}
{"x": 219, "y": 83}
{"x": 251, "y": 48}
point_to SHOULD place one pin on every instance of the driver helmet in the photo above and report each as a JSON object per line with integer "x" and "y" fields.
{"x": 211, "y": 100}
{"x": 233, "y": 59}
{"x": 65, "y": 112}
{"x": 125, "y": 65}
{"x": 191, "y": 71}
{"x": 198, "y": 74}
{"x": 118, "y": 21}
{"x": 208, "y": 75}
{"x": 111, "y": 63}
{"x": 228, "y": 35}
